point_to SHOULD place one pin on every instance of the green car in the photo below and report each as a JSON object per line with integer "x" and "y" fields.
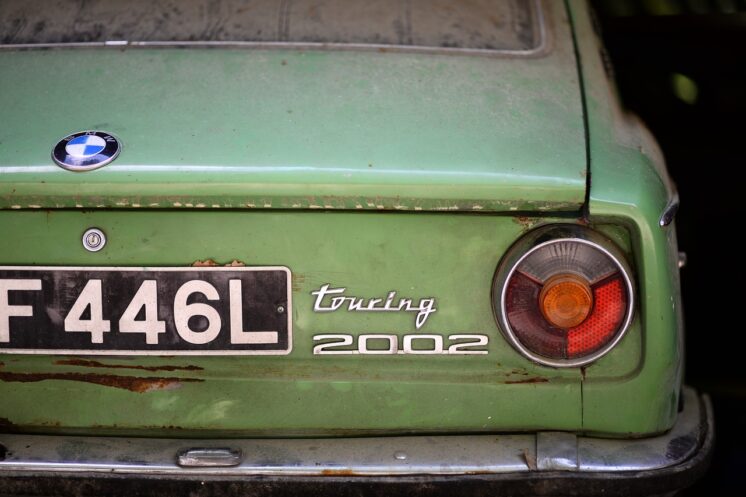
{"x": 333, "y": 246}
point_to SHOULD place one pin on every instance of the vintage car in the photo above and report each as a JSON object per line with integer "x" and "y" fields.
{"x": 332, "y": 246}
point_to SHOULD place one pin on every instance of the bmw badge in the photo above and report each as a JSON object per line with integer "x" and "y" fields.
{"x": 86, "y": 150}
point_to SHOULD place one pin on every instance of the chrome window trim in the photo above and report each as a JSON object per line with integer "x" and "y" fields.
{"x": 669, "y": 213}
{"x": 527, "y": 245}
{"x": 539, "y": 49}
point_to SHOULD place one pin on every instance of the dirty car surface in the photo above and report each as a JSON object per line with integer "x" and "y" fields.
{"x": 374, "y": 247}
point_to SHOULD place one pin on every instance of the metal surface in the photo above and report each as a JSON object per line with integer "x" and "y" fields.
{"x": 300, "y": 394}
{"x": 94, "y": 240}
{"x": 556, "y": 451}
{"x": 328, "y": 130}
{"x": 682, "y": 259}
{"x": 534, "y": 241}
{"x": 425, "y": 455}
{"x": 209, "y": 458}
{"x": 669, "y": 214}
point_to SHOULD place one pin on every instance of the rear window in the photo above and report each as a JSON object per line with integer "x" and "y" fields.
{"x": 501, "y": 25}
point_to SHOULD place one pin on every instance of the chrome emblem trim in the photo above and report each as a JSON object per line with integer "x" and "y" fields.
{"x": 86, "y": 150}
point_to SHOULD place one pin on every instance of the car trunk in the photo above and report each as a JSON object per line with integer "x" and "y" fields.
{"x": 255, "y": 157}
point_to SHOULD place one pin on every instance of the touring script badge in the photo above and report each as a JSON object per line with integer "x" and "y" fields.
{"x": 338, "y": 300}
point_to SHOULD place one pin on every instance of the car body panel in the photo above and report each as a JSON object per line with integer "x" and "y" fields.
{"x": 292, "y": 394}
{"x": 208, "y": 143}
{"x": 299, "y": 128}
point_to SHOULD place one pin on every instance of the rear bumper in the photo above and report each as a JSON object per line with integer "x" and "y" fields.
{"x": 522, "y": 464}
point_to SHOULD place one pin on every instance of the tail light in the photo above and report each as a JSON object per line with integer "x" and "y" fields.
{"x": 563, "y": 295}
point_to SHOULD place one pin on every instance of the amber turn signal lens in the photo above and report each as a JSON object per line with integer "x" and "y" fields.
{"x": 566, "y": 300}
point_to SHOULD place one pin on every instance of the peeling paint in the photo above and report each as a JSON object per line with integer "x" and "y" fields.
{"x": 212, "y": 263}
{"x": 95, "y": 364}
{"x": 131, "y": 383}
{"x": 205, "y": 263}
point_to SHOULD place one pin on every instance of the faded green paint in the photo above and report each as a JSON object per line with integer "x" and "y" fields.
{"x": 630, "y": 187}
{"x": 448, "y": 256}
{"x": 297, "y": 128}
{"x": 338, "y": 130}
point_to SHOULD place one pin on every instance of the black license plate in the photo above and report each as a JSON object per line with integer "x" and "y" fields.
{"x": 145, "y": 311}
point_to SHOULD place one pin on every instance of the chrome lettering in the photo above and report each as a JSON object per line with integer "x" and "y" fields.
{"x": 332, "y": 299}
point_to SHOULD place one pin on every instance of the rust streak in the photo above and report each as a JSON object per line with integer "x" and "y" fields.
{"x": 95, "y": 364}
{"x": 536, "y": 379}
{"x": 131, "y": 383}
{"x": 337, "y": 472}
{"x": 530, "y": 459}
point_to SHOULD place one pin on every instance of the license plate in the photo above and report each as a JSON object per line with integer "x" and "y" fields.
{"x": 145, "y": 311}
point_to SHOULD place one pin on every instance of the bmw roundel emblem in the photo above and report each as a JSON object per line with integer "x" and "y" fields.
{"x": 86, "y": 150}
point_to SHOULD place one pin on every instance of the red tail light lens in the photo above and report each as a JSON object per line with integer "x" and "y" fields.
{"x": 563, "y": 296}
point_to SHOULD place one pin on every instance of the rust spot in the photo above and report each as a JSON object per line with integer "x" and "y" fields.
{"x": 234, "y": 263}
{"x": 212, "y": 263}
{"x": 338, "y": 472}
{"x": 524, "y": 221}
{"x": 535, "y": 379}
{"x": 95, "y": 364}
{"x": 530, "y": 459}
{"x": 205, "y": 263}
{"x": 131, "y": 383}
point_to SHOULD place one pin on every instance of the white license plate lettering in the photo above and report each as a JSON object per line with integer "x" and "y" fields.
{"x": 151, "y": 311}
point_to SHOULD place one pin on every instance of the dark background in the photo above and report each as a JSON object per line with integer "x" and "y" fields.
{"x": 681, "y": 66}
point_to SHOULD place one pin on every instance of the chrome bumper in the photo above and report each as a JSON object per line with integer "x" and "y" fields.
{"x": 517, "y": 457}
